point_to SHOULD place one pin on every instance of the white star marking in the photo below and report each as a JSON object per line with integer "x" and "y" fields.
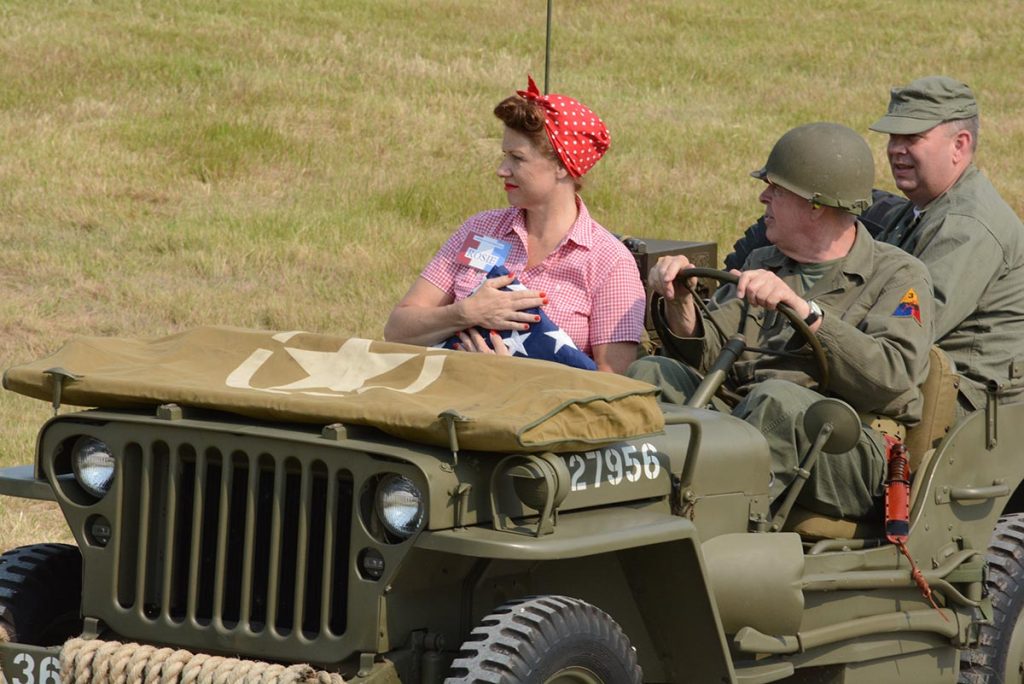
{"x": 516, "y": 342}
{"x": 345, "y": 370}
{"x": 516, "y": 287}
{"x": 561, "y": 339}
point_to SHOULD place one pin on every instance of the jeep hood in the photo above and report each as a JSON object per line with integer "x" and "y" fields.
{"x": 425, "y": 395}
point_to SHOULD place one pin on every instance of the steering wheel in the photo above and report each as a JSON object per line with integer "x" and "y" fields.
{"x": 726, "y": 359}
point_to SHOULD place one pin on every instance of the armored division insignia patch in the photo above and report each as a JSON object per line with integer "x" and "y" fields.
{"x": 908, "y": 307}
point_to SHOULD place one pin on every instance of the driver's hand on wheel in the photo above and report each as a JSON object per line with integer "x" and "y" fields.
{"x": 766, "y": 289}
{"x": 680, "y": 311}
{"x": 662, "y": 277}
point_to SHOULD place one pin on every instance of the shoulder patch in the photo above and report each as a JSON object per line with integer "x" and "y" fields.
{"x": 908, "y": 307}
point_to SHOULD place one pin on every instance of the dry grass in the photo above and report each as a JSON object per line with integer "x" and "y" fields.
{"x": 292, "y": 164}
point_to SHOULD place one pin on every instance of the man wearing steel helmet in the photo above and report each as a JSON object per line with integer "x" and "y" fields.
{"x": 959, "y": 226}
{"x": 869, "y": 303}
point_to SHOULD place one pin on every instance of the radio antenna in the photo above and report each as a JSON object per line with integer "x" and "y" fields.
{"x": 547, "y": 49}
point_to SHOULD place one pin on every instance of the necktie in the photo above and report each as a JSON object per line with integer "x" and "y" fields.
{"x": 903, "y": 234}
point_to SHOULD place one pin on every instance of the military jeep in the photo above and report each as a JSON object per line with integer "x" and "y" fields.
{"x": 212, "y": 538}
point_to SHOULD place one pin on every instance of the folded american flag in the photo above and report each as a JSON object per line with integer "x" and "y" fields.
{"x": 544, "y": 339}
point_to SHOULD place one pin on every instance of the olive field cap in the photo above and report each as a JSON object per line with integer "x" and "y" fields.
{"x": 825, "y": 163}
{"x": 925, "y": 103}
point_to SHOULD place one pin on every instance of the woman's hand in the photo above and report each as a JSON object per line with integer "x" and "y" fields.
{"x": 493, "y": 309}
{"x": 428, "y": 315}
{"x": 471, "y": 340}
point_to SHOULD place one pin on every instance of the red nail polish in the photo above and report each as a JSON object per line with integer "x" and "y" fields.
{"x": 545, "y": 301}
{"x": 494, "y": 332}
{"x": 536, "y": 319}
{"x": 456, "y": 346}
{"x": 526, "y": 326}
{"x": 543, "y": 295}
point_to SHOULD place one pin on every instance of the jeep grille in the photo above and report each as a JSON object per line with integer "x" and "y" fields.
{"x": 243, "y": 543}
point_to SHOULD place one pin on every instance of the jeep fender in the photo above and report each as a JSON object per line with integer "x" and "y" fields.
{"x": 967, "y": 483}
{"x": 645, "y": 568}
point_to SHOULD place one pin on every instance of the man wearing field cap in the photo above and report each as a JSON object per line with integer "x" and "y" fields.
{"x": 959, "y": 226}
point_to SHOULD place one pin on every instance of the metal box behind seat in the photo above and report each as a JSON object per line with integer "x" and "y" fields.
{"x": 648, "y": 251}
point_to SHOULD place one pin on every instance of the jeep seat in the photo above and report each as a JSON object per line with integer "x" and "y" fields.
{"x": 939, "y": 413}
{"x": 939, "y": 392}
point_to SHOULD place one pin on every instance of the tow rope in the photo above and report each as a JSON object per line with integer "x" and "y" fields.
{"x": 101, "y": 662}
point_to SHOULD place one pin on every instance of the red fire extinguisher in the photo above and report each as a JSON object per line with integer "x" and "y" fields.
{"x": 897, "y": 510}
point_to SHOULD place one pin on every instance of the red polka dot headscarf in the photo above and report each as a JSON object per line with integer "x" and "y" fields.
{"x": 578, "y": 135}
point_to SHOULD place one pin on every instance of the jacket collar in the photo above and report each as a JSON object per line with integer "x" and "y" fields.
{"x": 857, "y": 263}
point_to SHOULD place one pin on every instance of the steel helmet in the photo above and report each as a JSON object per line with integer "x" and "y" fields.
{"x": 824, "y": 163}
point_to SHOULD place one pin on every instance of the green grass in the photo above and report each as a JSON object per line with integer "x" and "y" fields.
{"x": 292, "y": 165}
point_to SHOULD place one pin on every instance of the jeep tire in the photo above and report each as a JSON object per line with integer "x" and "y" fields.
{"x": 1000, "y": 650}
{"x": 41, "y": 594}
{"x": 546, "y": 640}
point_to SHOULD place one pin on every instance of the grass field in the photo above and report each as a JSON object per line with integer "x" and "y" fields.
{"x": 292, "y": 164}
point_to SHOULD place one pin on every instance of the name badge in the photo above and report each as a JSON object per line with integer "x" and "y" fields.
{"x": 483, "y": 253}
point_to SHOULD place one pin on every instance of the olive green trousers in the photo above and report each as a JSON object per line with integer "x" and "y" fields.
{"x": 846, "y": 485}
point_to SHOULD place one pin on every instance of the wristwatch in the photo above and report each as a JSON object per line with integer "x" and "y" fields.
{"x": 815, "y": 315}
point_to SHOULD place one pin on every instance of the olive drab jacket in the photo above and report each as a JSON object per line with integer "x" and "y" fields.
{"x": 973, "y": 244}
{"x": 876, "y": 330}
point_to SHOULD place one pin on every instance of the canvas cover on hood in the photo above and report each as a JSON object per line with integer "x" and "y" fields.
{"x": 506, "y": 404}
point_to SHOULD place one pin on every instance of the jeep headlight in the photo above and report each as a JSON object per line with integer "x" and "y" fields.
{"x": 400, "y": 505}
{"x": 93, "y": 465}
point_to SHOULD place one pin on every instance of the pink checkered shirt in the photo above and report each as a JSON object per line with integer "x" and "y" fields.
{"x": 591, "y": 279}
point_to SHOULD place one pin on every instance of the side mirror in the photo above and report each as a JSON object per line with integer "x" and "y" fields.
{"x": 845, "y": 422}
{"x": 842, "y": 425}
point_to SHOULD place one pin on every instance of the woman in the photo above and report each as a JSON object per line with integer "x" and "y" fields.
{"x": 585, "y": 279}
